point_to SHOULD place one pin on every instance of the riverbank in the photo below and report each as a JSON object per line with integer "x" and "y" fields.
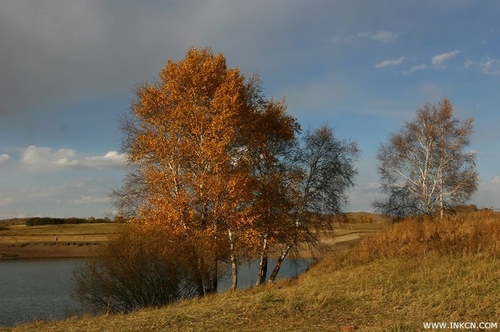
{"x": 83, "y": 240}
{"x": 55, "y": 241}
{"x": 38, "y": 250}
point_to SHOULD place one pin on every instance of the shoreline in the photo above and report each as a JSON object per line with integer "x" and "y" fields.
{"x": 44, "y": 250}
{"x": 87, "y": 249}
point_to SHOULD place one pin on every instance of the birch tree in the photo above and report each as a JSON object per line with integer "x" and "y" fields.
{"x": 275, "y": 182}
{"x": 425, "y": 167}
{"x": 218, "y": 165}
{"x": 326, "y": 171}
{"x": 191, "y": 138}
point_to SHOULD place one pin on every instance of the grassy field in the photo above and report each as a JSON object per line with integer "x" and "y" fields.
{"x": 359, "y": 222}
{"x": 54, "y": 241}
{"x": 94, "y": 232}
{"x": 20, "y": 241}
{"x": 406, "y": 275}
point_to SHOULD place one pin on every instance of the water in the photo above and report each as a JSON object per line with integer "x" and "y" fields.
{"x": 37, "y": 289}
{"x": 247, "y": 272}
{"x": 41, "y": 289}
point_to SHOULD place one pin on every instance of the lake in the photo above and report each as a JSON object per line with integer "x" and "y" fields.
{"x": 41, "y": 289}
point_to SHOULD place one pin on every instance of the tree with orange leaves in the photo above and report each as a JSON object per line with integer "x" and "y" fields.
{"x": 220, "y": 166}
{"x": 190, "y": 137}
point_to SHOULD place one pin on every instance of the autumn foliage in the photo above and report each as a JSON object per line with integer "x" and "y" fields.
{"x": 193, "y": 138}
{"x": 220, "y": 166}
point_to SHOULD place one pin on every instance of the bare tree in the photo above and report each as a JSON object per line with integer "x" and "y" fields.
{"x": 425, "y": 168}
{"x": 327, "y": 170}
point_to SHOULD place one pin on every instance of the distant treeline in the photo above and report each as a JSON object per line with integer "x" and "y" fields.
{"x": 60, "y": 221}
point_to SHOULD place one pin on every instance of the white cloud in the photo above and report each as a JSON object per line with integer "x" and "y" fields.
{"x": 415, "y": 68}
{"x": 386, "y": 63}
{"x": 4, "y": 158}
{"x": 418, "y": 67}
{"x": 35, "y": 155}
{"x": 47, "y": 158}
{"x": 111, "y": 159}
{"x": 381, "y": 36}
{"x": 487, "y": 66}
{"x": 440, "y": 60}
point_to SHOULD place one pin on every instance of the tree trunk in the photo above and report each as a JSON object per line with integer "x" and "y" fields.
{"x": 261, "y": 278}
{"x": 200, "y": 287}
{"x": 441, "y": 198}
{"x": 207, "y": 277}
{"x": 215, "y": 279}
{"x": 234, "y": 265}
{"x": 280, "y": 260}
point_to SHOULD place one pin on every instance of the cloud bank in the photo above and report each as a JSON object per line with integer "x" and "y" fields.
{"x": 46, "y": 158}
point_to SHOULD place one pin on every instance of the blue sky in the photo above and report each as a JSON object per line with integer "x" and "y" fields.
{"x": 68, "y": 67}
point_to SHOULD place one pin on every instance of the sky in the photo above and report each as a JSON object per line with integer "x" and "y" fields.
{"x": 68, "y": 69}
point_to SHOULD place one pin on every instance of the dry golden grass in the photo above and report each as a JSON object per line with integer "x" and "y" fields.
{"x": 96, "y": 232}
{"x": 55, "y": 241}
{"x": 413, "y": 272}
{"x": 462, "y": 234}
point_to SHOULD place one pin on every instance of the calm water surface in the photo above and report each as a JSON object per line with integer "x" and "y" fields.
{"x": 32, "y": 289}
{"x": 42, "y": 289}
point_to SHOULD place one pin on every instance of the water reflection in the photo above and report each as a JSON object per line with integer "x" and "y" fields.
{"x": 247, "y": 272}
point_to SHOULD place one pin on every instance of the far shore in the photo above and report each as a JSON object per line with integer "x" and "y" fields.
{"x": 49, "y": 250}
{"x": 38, "y": 250}
{"x": 83, "y": 240}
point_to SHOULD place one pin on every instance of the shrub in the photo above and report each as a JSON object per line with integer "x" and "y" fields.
{"x": 140, "y": 268}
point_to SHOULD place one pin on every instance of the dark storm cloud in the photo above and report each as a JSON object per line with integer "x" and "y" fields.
{"x": 67, "y": 49}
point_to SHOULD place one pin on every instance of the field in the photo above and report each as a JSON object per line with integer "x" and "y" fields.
{"x": 407, "y": 274}
{"x": 71, "y": 240}
{"x": 79, "y": 240}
